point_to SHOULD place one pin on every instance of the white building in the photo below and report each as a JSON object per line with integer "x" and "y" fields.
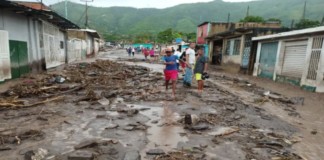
{"x": 294, "y": 57}
{"x": 32, "y": 38}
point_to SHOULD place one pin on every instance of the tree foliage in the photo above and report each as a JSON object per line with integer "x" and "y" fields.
{"x": 306, "y": 23}
{"x": 252, "y": 19}
{"x": 274, "y": 20}
{"x": 165, "y": 36}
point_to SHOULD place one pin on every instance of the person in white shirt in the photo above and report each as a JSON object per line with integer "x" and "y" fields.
{"x": 178, "y": 53}
{"x": 190, "y": 60}
{"x": 133, "y": 51}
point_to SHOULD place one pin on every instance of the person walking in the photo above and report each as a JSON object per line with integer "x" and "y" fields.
{"x": 190, "y": 60}
{"x": 152, "y": 54}
{"x": 178, "y": 53}
{"x": 129, "y": 51}
{"x": 170, "y": 70}
{"x": 133, "y": 51}
{"x": 183, "y": 61}
{"x": 200, "y": 68}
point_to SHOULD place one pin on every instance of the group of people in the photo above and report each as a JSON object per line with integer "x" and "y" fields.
{"x": 146, "y": 51}
{"x": 150, "y": 52}
{"x": 191, "y": 63}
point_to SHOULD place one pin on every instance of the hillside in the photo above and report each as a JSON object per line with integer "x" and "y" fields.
{"x": 186, "y": 17}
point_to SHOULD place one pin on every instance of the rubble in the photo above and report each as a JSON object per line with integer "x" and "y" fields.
{"x": 86, "y": 144}
{"x": 81, "y": 155}
{"x": 39, "y": 154}
{"x": 132, "y": 155}
{"x": 155, "y": 152}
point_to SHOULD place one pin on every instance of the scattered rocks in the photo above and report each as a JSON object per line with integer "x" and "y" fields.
{"x": 200, "y": 126}
{"x": 104, "y": 101}
{"x": 43, "y": 118}
{"x": 129, "y": 128}
{"x": 297, "y": 100}
{"x": 231, "y": 108}
{"x": 237, "y": 117}
{"x": 196, "y": 94}
{"x": 39, "y": 154}
{"x": 86, "y": 144}
{"x": 81, "y": 155}
{"x": 132, "y": 155}
{"x": 111, "y": 126}
{"x": 155, "y": 121}
{"x": 155, "y": 152}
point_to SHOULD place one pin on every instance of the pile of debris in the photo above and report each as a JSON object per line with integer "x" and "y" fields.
{"x": 112, "y": 78}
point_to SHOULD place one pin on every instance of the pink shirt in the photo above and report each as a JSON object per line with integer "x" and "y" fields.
{"x": 152, "y": 52}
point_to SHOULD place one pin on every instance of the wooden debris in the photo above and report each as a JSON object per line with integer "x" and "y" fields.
{"x": 31, "y": 105}
{"x": 227, "y": 133}
{"x": 18, "y": 140}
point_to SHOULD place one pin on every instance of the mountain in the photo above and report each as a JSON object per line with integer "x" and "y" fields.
{"x": 186, "y": 17}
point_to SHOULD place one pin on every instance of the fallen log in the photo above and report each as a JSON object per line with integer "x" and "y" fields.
{"x": 31, "y": 105}
{"x": 64, "y": 92}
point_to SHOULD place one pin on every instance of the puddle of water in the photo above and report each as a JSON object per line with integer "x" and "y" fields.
{"x": 165, "y": 137}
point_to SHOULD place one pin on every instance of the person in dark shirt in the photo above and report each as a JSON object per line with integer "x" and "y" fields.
{"x": 200, "y": 68}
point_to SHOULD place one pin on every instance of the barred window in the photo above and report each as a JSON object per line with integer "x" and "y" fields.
{"x": 233, "y": 46}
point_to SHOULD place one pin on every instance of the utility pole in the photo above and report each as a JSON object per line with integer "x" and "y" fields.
{"x": 292, "y": 24}
{"x": 86, "y": 12}
{"x": 248, "y": 11}
{"x": 304, "y": 12}
{"x": 66, "y": 14}
{"x": 229, "y": 17}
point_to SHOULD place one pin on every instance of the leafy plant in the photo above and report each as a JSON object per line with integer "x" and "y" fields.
{"x": 306, "y": 23}
{"x": 252, "y": 19}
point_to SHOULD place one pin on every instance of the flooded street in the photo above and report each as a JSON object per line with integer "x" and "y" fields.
{"x": 120, "y": 111}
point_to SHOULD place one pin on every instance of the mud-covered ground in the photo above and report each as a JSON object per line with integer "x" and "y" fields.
{"x": 106, "y": 110}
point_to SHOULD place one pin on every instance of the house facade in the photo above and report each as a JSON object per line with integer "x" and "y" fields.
{"x": 202, "y": 33}
{"x": 83, "y": 43}
{"x": 294, "y": 57}
{"x": 32, "y": 38}
{"x": 233, "y": 43}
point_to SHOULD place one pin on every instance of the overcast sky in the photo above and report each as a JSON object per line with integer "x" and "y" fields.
{"x": 136, "y": 3}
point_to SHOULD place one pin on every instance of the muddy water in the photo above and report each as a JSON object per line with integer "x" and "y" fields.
{"x": 164, "y": 137}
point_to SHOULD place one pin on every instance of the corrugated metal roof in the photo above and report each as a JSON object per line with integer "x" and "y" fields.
{"x": 291, "y": 33}
{"x": 47, "y": 15}
{"x": 34, "y": 5}
{"x": 94, "y": 33}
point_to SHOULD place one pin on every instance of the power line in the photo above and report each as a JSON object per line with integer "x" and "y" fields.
{"x": 81, "y": 17}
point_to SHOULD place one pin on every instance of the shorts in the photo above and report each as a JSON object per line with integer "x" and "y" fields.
{"x": 152, "y": 55}
{"x": 198, "y": 77}
{"x": 183, "y": 65}
{"x": 171, "y": 75}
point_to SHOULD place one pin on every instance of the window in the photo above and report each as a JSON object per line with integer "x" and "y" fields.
{"x": 233, "y": 47}
{"x": 61, "y": 44}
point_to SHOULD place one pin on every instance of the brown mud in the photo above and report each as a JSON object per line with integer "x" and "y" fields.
{"x": 120, "y": 111}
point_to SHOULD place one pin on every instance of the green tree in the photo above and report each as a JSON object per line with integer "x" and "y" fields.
{"x": 274, "y": 20}
{"x": 191, "y": 37}
{"x": 252, "y": 19}
{"x": 177, "y": 35}
{"x": 306, "y": 23}
{"x": 165, "y": 36}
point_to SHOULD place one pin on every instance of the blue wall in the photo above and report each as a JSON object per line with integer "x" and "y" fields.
{"x": 143, "y": 45}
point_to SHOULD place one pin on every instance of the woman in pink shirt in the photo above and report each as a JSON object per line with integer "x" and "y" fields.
{"x": 152, "y": 53}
